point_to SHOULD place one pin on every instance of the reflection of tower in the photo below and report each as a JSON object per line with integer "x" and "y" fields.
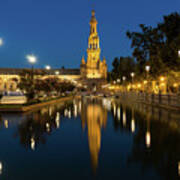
{"x": 96, "y": 118}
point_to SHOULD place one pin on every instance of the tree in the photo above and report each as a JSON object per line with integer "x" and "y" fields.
{"x": 157, "y": 46}
{"x": 123, "y": 67}
{"x": 26, "y": 83}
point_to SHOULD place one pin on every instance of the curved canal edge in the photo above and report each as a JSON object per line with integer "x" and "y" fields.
{"x": 34, "y": 106}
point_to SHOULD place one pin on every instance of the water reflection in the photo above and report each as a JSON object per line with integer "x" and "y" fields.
{"x": 152, "y": 135}
{"x": 1, "y": 167}
{"x": 94, "y": 116}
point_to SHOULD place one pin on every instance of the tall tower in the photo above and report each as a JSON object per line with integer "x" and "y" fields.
{"x": 94, "y": 68}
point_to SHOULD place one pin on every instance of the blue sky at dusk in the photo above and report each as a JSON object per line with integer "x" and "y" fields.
{"x": 57, "y": 30}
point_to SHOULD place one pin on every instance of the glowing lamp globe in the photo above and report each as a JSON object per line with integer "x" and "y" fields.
{"x": 31, "y": 59}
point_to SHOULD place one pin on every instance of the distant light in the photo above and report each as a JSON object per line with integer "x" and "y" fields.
{"x": 139, "y": 85}
{"x": 118, "y": 80}
{"x": 132, "y": 74}
{"x": 145, "y": 82}
{"x": 124, "y": 78}
{"x": 147, "y": 68}
{"x": 47, "y": 67}
{"x": 31, "y": 58}
{"x": 162, "y": 78}
{"x": 175, "y": 85}
{"x": 1, "y": 41}
{"x": 57, "y": 73}
{"x": 179, "y": 53}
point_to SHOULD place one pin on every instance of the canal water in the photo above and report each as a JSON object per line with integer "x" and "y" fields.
{"x": 91, "y": 139}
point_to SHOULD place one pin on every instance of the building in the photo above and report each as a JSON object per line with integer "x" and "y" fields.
{"x": 10, "y": 77}
{"x": 94, "y": 68}
{"x": 91, "y": 73}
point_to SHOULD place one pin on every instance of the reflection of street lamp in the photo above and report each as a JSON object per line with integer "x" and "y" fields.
{"x": 133, "y": 122}
{"x": 148, "y": 133}
{"x": 1, "y": 167}
{"x": 148, "y": 139}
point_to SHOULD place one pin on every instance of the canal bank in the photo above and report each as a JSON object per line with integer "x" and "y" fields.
{"x": 157, "y": 100}
{"x": 25, "y": 108}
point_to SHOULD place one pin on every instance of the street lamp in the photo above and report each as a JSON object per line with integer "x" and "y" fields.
{"x": 118, "y": 80}
{"x": 47, "y": 67}
{"x": 32, "y": 59}
{"x": 124, "y": 78}
{"x": 132, "y": 75}
{"x": 1, "y": 41}
{"x": 147, "y": 68}
{"x": 56, "y": 72}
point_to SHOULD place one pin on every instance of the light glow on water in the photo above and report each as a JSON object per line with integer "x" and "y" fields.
{"x": 99, "y": 135}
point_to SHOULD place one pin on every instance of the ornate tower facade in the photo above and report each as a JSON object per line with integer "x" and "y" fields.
{"x": 94, "y": 68}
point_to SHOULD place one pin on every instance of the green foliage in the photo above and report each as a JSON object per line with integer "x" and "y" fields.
{"x": 156, "y": 46}
{"x": 27, "y": 83}
{"x": 123, "y": 67}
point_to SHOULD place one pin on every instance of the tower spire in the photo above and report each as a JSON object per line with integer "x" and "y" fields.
{"x": 93, "y": 67}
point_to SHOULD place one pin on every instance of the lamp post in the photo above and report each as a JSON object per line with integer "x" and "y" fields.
{"x": 124, "y": 79}
{"x": 47, "y": 67}
{"x": 132, "y": 75}
{"x": 32, "y": 59}
{"x": 147, "y": 68}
